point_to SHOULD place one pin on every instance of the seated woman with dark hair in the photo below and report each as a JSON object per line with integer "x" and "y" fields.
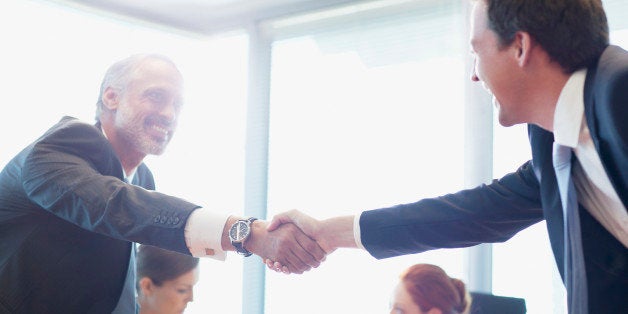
{"x": 426, "y": 288}
{"x": 165, "y": 280}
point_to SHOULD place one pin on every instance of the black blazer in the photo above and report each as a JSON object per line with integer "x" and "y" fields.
{"x": 497, "y": 211}
{"x": 67, "y": 221}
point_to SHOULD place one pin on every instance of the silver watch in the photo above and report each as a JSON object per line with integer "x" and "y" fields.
{"x": 239, "y": 232}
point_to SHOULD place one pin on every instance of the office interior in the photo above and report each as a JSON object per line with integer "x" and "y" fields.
{"x": 328, "y": 106}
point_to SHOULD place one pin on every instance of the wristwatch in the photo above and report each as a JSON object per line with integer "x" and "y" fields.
{"x": 239, "y": 232}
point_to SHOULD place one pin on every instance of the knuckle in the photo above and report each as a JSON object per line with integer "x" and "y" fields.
{"x": 311, "y": 246}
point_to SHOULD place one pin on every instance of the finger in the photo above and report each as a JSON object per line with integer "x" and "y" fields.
{"x": 303, "y": 247}
{"x": 312, "y": 247}
{"x": 274, "y": 266}
{"x": 268, "y": 263}
{"x": 278, "y": 266}
{"x": 278, "y": 220}
{"x": 299, "y": 259}
{"x": 294, "y": 264}
{"x": 285, "y": 262}
{"x": 281, "y": 268}
{"x": 295, "y": 268}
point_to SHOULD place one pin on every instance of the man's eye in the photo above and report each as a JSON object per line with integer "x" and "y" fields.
{"x": 155, "y": 96}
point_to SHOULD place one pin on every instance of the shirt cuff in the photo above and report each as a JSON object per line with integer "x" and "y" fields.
{"x": 356, "y": 231}
{"x": 203, "y": 233}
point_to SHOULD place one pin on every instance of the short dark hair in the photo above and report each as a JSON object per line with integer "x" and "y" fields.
{"x": 162, "y": 265}
{"x": 573, "y": 32}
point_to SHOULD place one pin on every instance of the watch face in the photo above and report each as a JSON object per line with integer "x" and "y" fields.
{"x": 239, "y": 231}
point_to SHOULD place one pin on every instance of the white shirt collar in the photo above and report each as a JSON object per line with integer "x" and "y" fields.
{"x": 570, "y": 110}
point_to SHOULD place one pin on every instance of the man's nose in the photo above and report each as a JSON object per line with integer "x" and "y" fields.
{"x": 169, "y": 111}
{"x": 474, "y": 76}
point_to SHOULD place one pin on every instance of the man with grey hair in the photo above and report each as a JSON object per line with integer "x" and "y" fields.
{"x": 73, "y": 203}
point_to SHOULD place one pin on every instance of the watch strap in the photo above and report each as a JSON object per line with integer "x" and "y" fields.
{"x": 239, "y": 246}
{"x": 241, "y": 250}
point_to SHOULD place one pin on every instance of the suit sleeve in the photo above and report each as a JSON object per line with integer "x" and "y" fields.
{"x": 74, "y": 174}
{"x": 487, "y": 213}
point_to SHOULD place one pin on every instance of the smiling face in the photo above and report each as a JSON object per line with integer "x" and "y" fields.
{"x": 171, "y": 297}
{"x": 147, "y": 110}
{"x": 496, "y": 67}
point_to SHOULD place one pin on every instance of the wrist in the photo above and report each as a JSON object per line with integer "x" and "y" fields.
{"x": 254, "y": 242}
{"x": 337, "y": 232}
{"x": 225, "y": 240}
{"x": 239, "y": 233}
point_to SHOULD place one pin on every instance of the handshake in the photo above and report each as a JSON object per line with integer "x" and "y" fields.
{"x": 293, "y": 242}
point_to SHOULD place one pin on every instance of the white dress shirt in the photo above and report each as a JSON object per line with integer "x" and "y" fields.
{"x": 203, "y": 233}
{"x": 594, "y": 188}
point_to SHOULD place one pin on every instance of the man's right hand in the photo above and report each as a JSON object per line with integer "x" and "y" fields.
{"x": 286, "y": 244}
{"x": 330, "y": 234}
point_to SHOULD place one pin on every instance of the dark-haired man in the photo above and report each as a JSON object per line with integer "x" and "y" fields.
{"x": 549, "y": 65}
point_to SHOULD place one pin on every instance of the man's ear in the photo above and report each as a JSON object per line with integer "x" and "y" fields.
{"x": 146, "y": 286}
{"x": 522, "y": 45}
{"x": 111, "y": 98}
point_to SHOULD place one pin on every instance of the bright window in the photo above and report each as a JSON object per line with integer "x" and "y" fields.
{"x": 365, "y": 113}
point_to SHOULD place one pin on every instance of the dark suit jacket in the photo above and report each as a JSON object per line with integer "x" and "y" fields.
{"x": 67, "y": 219}
{"x": 497, "y": 211}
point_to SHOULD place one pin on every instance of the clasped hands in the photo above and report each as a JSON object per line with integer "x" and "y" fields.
{"x": 293, "y": 242}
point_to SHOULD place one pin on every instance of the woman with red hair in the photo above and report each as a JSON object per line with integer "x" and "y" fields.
{"x": 427, "y": 289}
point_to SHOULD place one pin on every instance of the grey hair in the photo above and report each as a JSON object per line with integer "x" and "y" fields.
{"x": 120, "y": 74}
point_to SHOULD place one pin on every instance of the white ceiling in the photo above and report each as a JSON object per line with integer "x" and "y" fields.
{"x": 204, "y": 16}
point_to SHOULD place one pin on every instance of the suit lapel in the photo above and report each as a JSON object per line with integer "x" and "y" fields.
{"x": 541, "y": 142}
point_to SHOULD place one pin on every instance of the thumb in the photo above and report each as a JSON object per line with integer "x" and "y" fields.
{"x": 279, "y": 220}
